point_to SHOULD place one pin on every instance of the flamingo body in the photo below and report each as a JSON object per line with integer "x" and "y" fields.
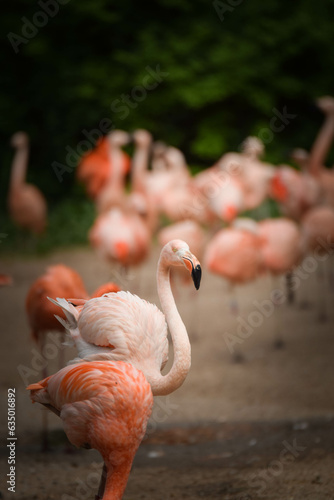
{"x": 318, "y": 228}
{"x": 105, "y": 406}
{"x": 58, "y": 281}
{"x": 280, "y": 244}
{"x": 234, "y": 254}
{"x": 26, "y": 203}
{"x": 124, "y": 327}
{"x": 121, "y": 237}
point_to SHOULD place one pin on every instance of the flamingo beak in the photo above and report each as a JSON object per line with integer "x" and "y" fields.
{"x": 194, "y": 268}
{"x": 196, "y": 275}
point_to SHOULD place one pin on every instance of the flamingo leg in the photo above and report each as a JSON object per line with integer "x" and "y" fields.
{"x": 321, "y": 293}
{"x": 234, "y": 306}
{"x": 277, "y": 316}
{"x": 289, "y": 288}
{"x": 305, "y": 302}
{"x": 45, "y": 439}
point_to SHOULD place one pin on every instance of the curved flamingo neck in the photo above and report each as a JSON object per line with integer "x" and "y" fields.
{"x": 117, "y": 478}
{"x": 321, "y": 146}
{"x": 165, "y": 384}
{"x": 117, "y": 174}
{"x": 139, "y": 167}
{"x": 19, "y": 167}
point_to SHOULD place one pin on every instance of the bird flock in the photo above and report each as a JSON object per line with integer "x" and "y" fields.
{"x": 105, "y": 395}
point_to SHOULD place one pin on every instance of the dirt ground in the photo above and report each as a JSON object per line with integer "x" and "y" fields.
{"x": 262, "y": 427}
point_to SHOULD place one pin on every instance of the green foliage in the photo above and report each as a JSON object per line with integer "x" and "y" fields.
{"x": 222, "y": 78}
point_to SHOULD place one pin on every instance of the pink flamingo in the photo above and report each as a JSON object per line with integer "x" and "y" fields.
{"x": 295, "y": 191}
{"x": 281, "y": 250}
{"x": 105, "y": 406}
{"x": 320, "y": 150}
{"x": 121, "y": 236}
{"x": 5, "y": 280}
{"x": 300, "y": 192}
{"x": 121, "y": 326}
{"x": 26, "y": 203}
{"x": 237, "y": 182}
{"x": 318, "y": 238}
{"x": 193, "y": 233}
{"x": 140, "y": 200}
{"x": 325, "y": 136}
{"x": 281, "y": 247}
{"x": 177, "y": 197}
{"x": 113, "y": 191}
{"x": 234, "y": 254}
{"x": 158, "y": 162}
{"x": 252, "y": 175}
{"x": 95, "y": 169}
{"x": 57, "y": 281}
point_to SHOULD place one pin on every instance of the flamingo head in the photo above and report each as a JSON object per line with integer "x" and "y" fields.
{"x": 253, "y": 147}
{"x": 142, "y": 138}
{"x": 300, "y": 156}
{"x": 175, "y": 158}
{"x": 119, "y": 138}
{"x": 19, "y": 140}
{"x": 109, "y": 287}
{"x": 178, "y": 254}
{"x": 326, "y": 104}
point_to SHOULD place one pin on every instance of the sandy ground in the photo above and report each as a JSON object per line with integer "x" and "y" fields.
{"x": 222, "y": 434}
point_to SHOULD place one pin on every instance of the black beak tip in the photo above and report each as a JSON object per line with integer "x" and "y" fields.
{"x": 196, "y": 275}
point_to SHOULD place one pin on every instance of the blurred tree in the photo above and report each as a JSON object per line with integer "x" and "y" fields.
{"x": 200, "y": 75}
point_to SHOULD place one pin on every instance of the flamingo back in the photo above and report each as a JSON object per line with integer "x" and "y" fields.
{"x": 131, "y": 328}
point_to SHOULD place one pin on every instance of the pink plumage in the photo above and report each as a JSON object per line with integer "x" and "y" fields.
{"x": 281, "y": 246}
{"x": 105, "y": 406}
{"x": 234, "y": 254}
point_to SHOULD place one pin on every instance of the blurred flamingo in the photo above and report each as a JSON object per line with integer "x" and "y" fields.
{"x": 252, "y": 174}
{"x": 121, "y": 326}
{"x": 295, "y": 191}
{"x": 57, "y": 281}
{"x": 120, "y": 236}
{"x": 26, "y": 203}
{"x": 112, "y": 192}
{"x": 320, "y": 150}
{"x": 234, "y": 254}
{"x": 318, "y": 239}
{"x": 5, "y": 280}
{"x": 105, "y": 406}
{"x": 139, "y": 199}
{"x": 96, "y": 168}
{"x": 281, "y": 250}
